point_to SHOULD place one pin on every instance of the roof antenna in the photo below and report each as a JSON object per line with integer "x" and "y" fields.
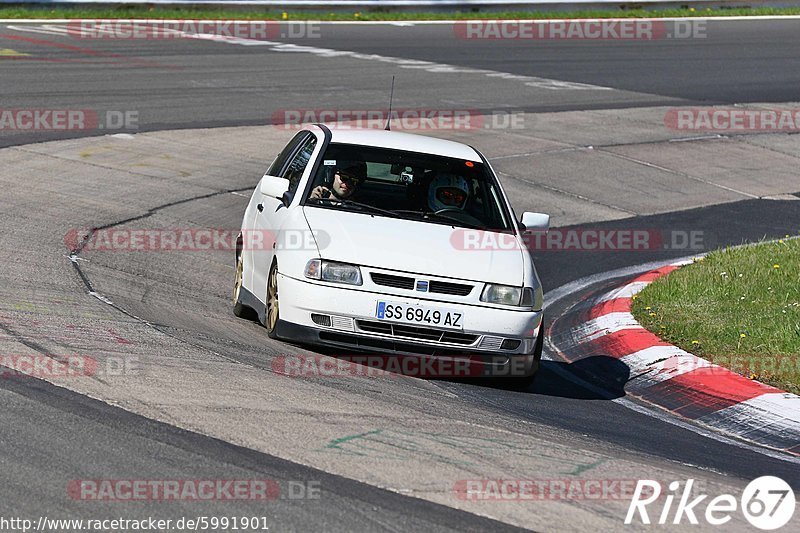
{"x": 389, "y": 118}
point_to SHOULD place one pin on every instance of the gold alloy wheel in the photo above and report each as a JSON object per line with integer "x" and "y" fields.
{"x": 237, "y": 282}
{"x": 272, "y": 300}
{"x": 239, "y": 309}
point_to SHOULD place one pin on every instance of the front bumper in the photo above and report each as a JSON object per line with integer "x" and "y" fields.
{"x": 353, "y": 325}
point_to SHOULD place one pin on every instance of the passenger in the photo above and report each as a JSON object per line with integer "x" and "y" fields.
{"x": 448, "y": 195}
{"x": 448, "y": 192}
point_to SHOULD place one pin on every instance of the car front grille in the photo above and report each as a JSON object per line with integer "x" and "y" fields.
{"x": 387, "y": 280}
{"x": 416, "y": 333}
{"x": 408, "y": 283}
{"x": 443, "y": 287}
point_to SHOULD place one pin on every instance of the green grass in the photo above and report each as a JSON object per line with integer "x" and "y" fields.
{"x": 739, "y": 308}
{"x": 155, "y": 12}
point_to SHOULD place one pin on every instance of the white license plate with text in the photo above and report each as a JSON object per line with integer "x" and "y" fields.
{"x": 419, "y": 315}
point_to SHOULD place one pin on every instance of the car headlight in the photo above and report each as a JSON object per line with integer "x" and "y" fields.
{"x": 501, "y": 294}
{"x": 516, "y": 296}
{"x": 334, "y": 272}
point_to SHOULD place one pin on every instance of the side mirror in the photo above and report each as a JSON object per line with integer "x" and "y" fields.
{"x": 273, "y": 187}
{"x": 535, "y": 221}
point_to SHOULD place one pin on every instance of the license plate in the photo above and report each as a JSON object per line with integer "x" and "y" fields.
{"x": 419, "y": 315}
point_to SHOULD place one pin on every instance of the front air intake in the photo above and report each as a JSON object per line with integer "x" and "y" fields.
{"x": 321, "y": 320}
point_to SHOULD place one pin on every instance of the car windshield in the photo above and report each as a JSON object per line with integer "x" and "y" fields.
{"x": 412, "y": 185}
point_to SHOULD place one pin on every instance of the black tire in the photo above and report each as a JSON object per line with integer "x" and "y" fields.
{"x": 523, "y": 383}
{"x": 272, "y": 307}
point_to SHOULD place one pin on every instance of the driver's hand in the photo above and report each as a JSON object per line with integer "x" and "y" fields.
{"x": 320, "y": 191}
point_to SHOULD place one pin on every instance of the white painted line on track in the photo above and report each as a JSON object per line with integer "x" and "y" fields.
{"x": 427, "y": 66}
{"x": 46, "y": 29}
{"x": 416, "y": 64}
{"x": 425, "y": 22}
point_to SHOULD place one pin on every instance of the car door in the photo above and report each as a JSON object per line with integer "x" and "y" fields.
{"x": 251, "y": 243}
{"x": 271, "y": 213}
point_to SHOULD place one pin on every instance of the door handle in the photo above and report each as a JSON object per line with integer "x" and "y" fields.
{"x": 260, "y": 207}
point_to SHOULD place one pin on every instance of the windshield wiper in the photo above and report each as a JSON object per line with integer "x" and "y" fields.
{"x": 443, "y": 216}
{"x": 397, "y": 213}
{"x": 335, "y": 201}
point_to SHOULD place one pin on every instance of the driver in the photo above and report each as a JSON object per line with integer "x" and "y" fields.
{"x": 348, "y": 177}
{"x": 448, "y": 191}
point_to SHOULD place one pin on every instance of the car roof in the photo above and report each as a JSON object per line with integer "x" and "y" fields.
{"x": 403, "y": 141}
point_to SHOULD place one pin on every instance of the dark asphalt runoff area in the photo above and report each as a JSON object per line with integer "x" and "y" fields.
{"x": 51, "y": 435}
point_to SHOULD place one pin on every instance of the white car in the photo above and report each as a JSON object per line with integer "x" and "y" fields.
{"x": 392, "y": 243}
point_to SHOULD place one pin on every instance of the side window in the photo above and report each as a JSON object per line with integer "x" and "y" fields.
{"x": 286, "y": 153}
{"x": 294, "y": 171}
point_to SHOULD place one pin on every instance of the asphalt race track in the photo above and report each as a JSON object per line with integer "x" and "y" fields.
{"x": 201, "y": 399}
{"x": 185, "y": 83}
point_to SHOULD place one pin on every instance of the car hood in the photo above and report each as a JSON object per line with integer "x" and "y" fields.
{"x": 409, "y": 246}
